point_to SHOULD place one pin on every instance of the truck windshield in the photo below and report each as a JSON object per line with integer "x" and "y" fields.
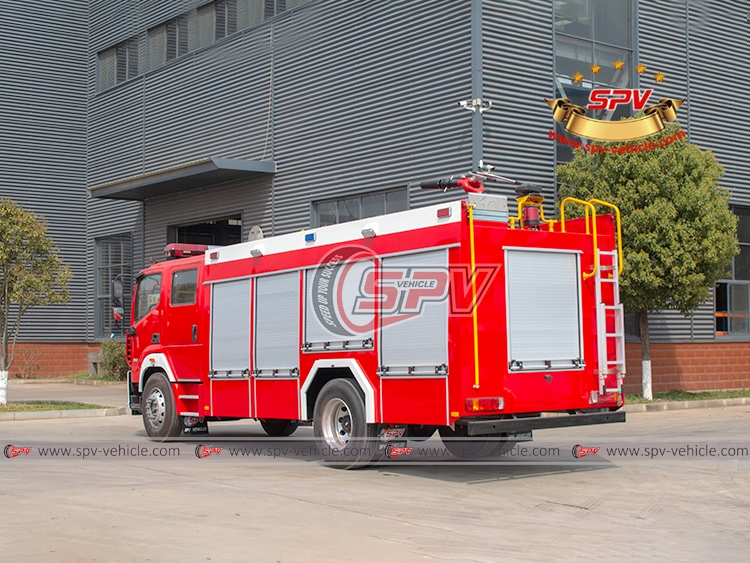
{"x": 147, "y": 296}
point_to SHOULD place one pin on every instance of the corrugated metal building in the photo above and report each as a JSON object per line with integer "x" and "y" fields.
{"x": 195, "y": 121}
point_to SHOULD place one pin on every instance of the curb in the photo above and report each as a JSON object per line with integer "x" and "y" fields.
{"x": 79, "y": 413}
{"x": 64, "y": 380}
{"x": 683, "y": 405}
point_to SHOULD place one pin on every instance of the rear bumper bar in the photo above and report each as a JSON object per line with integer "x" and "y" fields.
{"x": 518, "y": 425}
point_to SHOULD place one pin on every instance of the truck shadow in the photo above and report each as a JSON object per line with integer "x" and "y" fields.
{"x": 489, "y": 470}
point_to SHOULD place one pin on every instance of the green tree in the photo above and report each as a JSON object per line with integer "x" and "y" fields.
{"x": 31, "y": 274}
{"x": 679, "y": 234}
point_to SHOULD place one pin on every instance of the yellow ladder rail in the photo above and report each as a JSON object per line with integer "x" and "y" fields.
{"x": 619, "y": 230}
{"x": 587, "y": 206}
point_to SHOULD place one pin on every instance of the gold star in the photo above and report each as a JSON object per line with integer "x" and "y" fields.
{"x": 595, "y": 68}
{"x": 641, "y": 68}
{"x": 618, "y": 64}
{"x": 578, "y": 77}
{"x": 659, "y": 77}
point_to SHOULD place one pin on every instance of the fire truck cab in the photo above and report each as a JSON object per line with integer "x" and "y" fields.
{"x": 455, "y": 317}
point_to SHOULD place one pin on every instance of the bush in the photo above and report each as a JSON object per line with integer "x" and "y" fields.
{"x": 112, "y": 362}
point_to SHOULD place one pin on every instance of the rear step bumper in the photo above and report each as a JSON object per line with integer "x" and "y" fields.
{"x": 518, "y": 425}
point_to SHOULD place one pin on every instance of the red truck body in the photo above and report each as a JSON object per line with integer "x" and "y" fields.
{"x": 389, "y": 304}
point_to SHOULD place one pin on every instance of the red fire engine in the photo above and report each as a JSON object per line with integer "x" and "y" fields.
{"x": 453, "y": 317}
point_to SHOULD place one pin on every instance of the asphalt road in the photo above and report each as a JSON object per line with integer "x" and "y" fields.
{"x": 282, "y": 509}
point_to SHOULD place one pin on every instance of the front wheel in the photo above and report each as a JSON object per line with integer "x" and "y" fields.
{"x": 344, "y": 437}
{"x": 160, "y": 418}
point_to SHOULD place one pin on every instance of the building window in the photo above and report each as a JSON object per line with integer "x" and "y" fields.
{"x": 118, "y": 64}
{"x": 272, "y": 8}
{"x": 114, "y": 261}
{"x": 167, "y": 41}
{"x": 732, "y": 296}
{"x": 216, "y": 20}
{"x": 359, "y": 207}
{"x": 226, "y": 18}
{"x": 592, "y": 33}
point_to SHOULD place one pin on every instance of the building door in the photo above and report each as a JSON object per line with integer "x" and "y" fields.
{"x": 215, "y": 232}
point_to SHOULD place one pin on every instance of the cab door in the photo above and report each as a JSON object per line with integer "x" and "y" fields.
{"x": 181, "y": 334}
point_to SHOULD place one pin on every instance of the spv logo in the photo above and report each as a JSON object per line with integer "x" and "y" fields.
{"x": 579, "y": 451}
{"x": 12, "y": 451}
{"x": 610, "y": 98}
{"x": 351, "y": 286}
{"x": 202, "y": 451}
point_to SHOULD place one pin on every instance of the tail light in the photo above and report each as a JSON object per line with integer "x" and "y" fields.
{"x": 485, "y": 404}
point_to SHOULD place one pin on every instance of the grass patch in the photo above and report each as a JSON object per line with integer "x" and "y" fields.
{"x": 33, "y": 406}
{"x": 88, "y": 377}
{"x": 676, "y": 395}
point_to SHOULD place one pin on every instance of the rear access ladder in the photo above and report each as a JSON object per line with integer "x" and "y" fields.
{"x": 610, "y": 324}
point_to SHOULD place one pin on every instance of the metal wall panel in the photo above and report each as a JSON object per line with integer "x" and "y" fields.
{"x": 359, "y": 96}
{"x": 277, "y": 312}
{"x": 517, "y": 76}
{"x": 362, "y": 96}
{"x": 43, "y": 137}
{"x": 365, "y": 98}
{"x": 692, "y": 54}
{"x": 668, "y": 326}
{"x": 230, "y": 326}
{"x": 544, "y": 323}
{"x": 421, "y": 341}
{"x": 719, "y": 120}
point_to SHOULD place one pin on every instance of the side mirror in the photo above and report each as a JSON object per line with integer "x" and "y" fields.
{"x": 117, "y": 293}
{"x": 117, "y": 313}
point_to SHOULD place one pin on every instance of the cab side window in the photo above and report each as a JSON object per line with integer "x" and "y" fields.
{"x": 184, "y": 286}
{"x": 147, "y": 297}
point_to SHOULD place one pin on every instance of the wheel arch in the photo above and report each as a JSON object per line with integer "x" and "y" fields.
{"x": 154, "y": 363}
{"x": 324, "y": 371}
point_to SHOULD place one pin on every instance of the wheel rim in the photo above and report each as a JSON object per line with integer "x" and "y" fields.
{"x": 156, "y": 408}
{"x": 337, "y": 423}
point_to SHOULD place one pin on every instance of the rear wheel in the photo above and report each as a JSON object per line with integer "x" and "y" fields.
{"x": 344, "y": 437}
{"x": 420, "y": 432}
{"x": 278, "y": 427}
{"x": 463, "y": 446}
{"x": 159, "y": 416}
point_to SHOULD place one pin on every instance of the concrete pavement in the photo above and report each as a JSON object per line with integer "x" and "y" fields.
{"x": 282, "y": 511}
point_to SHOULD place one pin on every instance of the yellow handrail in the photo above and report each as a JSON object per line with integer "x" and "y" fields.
{"x": 587, "y": 206}
{"x": 474, "y": 296}
{"x": 619, "y": 230}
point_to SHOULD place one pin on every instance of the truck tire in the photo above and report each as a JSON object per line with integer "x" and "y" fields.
{"x": 278, "y": 427}
{"x": 159, "y": 416}
{"x": 344, "y": 438}
{"x": 463, "y": 446}
{"x": 420, "y": 432}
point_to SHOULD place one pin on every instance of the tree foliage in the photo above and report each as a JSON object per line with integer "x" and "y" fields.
{"x": 679, "y": 234}
{"x": 31, "y": 273}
